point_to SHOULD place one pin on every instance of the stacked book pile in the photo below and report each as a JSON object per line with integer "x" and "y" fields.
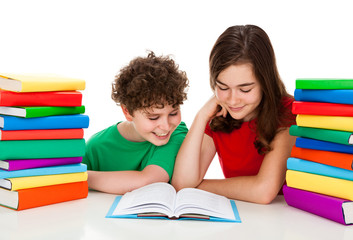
{"x": 319, "y": 171}
{"x": 41, "y": 140}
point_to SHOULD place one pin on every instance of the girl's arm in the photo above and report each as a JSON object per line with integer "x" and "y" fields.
{"x": 120, "y": 182}
{"x": 197, "y": 150}
{"x": 263, "y": 187}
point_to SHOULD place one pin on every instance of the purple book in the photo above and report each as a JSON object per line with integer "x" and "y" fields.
{"x": 19, "y": 164}
{"x": 333, "y": 208}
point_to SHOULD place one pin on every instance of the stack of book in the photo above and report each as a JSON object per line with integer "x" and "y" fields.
{"x": 41, "y": 140}
{"x": 319, "y": 171}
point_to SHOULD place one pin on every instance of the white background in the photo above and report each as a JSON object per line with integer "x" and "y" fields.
{"x": 92, "y": 40}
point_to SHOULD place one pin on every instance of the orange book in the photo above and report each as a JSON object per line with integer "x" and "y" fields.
{"x": 41, "y": 134}
{"x": 335, "y": 159}
{"x": 41, "y": 196}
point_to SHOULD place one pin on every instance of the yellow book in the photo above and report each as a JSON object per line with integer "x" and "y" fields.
{"x": 39, "y": 83}
{"x": 40, "y": 181}
{"x": 336, "y": 187}
{"x": 327, "y": 122}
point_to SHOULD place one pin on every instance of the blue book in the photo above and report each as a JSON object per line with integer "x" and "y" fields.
{"x": 70, "y": 168}
{"x": 301, "y": 165}
{"x": 158, "y": 201}
{"x": 344, "y": 96}
{"x": 50, "y": 122}
{"x": 323, "y": 145}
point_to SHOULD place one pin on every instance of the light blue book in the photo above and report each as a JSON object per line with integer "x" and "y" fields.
{"x": 160, "y": 201}
{"x": 70, "y": 168}
{"x": 50, "y": 122}
{"x": 301, "y": 165}
{"x": 344, "y": 96}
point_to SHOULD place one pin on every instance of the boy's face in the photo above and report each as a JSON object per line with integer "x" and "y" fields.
{"x": 156, "y": 125}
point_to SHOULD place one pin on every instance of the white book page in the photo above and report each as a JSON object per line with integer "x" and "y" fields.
{"x": 191, "y": 200}
{"x": 155, "y": 197}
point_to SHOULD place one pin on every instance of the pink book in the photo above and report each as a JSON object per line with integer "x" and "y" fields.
{"x": 333, "y": 208}
{"x": 18, "y": 164}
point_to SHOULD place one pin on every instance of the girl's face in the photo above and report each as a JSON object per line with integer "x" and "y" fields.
{"x": 238, "y": 90}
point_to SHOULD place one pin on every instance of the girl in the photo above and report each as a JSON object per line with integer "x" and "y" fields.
{"x": 246, "y": 122}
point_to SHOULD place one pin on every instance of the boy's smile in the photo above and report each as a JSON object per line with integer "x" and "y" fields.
{"x": 154, "y": 125}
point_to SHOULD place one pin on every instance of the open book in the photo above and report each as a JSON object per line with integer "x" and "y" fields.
{"x": 160, "y": 200}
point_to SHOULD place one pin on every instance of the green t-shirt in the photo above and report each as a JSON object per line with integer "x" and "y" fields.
{"x": 107, "y": 150}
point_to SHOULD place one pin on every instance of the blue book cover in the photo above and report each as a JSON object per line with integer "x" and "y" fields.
{"x": 323, "y": 145}
{"x": 344, "y": 96}
{"x": 50, "y": 122}
{"x": 70, "y": 168}
{"x": 301, "y": 165}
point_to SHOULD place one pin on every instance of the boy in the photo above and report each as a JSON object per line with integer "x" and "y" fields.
{"x": 142, "y": 149}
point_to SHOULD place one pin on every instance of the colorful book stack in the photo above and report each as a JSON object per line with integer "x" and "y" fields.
{"x": 41, "y": 140}
{"x": 319, "y": 171}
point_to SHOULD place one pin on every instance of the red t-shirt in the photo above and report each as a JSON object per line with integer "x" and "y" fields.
{"x": 236, "y": 151}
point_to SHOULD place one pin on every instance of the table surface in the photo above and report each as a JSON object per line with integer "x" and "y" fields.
{"x": 85, "y": 219}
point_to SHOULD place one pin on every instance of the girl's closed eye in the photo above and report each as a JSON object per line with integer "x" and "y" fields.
{"x": 153, "y": 118}
{"x": 245, "y": 90}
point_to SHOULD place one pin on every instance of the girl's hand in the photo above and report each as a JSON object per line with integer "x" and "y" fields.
{"x": 213, "y": 108}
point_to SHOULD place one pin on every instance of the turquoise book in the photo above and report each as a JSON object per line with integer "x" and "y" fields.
{"x": 341, "y": 137}
{"x": 52, "y": 148}
{"x": 50, "y": 122}
{"x": 161, "y": 201}
{"x": 70, "y": 168}
{"x": 301, "y": 165}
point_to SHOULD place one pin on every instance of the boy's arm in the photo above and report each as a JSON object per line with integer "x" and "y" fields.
{"x": 120, "y": 182}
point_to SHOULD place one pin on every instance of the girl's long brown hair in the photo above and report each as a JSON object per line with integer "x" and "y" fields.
{"x": 251, "y": 44}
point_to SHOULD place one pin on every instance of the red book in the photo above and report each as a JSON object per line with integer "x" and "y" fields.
{"x": 41, "y": 196}
{"x": 321, "y": 108}
{"x": 66, "y": 133}
{"x": 24, "y": 99}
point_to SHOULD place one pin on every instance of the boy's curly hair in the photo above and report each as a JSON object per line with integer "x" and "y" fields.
{"x": 150, "y": 82}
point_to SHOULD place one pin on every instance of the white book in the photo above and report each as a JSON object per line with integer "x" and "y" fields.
{"x": 162, "y": 201}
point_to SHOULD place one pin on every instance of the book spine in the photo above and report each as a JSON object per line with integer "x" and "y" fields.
{"x": 41, "y": 196}
{"x": 297, "y": 164}
{"x": 326, "y": 122}
{"x": 20, "y": 164}
{"x": 62, "y": 169}
{"x": 324, "y": 84}
{"x": 46, "y": 180}
{"x": 51, "y": 122}
{"x": 327, "y": 96}
{"x": 341, "y": 137}
{"x": 320, "y": 108}
{"x": 323, "y": 145}
{"x": 320, "y": 184}
{"x": 53, "y": 111}
{"x": 335, "y": 159}
{"x": 318, "y": 204}
{"x": 67, "y": 98}
{"x": 41, "y": 134}
{"x": 42, "y": 149}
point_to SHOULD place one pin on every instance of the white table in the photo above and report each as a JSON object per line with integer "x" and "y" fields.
{"x": 85, "y": 219}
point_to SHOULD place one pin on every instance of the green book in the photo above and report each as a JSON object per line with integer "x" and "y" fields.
{"x": 31, "y": 112}
{"x": 31, "y": 149}
{"x": 335, "y": 136}
{"x": 329, "y": 83}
